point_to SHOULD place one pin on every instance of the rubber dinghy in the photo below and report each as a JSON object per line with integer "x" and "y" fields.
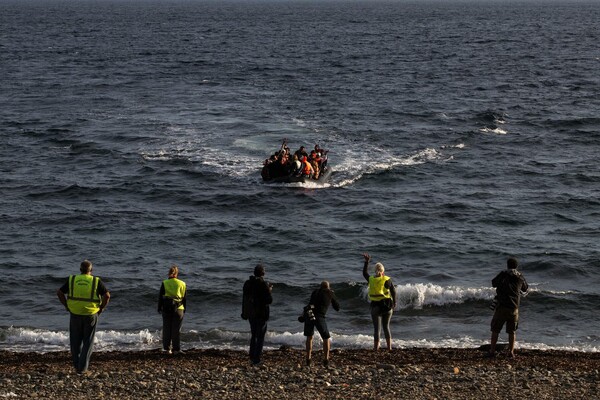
{"x": 323, "y": 178}
{"x": 299, "y": 167}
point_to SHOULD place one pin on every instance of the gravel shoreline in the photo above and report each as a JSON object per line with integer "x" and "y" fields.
{"x": 352, "y": 374}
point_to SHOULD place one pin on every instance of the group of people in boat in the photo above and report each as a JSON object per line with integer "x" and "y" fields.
{"x": 283, "y": 163}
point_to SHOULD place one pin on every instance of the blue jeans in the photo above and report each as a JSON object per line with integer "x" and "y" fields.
{"x": 82, "y": 329}
{"x": 258, "y": 328}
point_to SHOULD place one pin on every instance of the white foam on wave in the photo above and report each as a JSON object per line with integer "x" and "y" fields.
{"x": 243, "y": 156}
{"x": 497, "y": 131}
{"x": 420, "y": 295}
{"x": 372, "y": 161}
{"x": 43, "y": 341}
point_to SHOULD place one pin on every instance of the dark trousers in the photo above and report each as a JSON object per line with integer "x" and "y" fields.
{"x": 82, "y": 330}
{"x": 172, "y": 322}
{"x": 258, "y": 328}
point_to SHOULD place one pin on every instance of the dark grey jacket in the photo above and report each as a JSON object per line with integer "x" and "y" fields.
{"x": 256, "y": 299}
{"x": 321, "y": 299}
{"x": 509, "y": 285}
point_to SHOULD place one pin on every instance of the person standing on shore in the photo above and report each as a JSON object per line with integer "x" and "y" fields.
{"x": 255, "y": 308}
{"x": 85, "y": 297}
{"x": 172, "y": 306}
{"x": 509, "y": 285}
{"x": 320, "y": 300}
{"x": 382, "y": 294}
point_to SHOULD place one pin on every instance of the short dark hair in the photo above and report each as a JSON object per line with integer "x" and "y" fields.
{"x": 86, "y": 266}
{"x": 512, "y": 263}
{"x": 259, "y": 270}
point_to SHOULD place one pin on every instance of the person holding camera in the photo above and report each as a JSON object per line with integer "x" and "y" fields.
{"x": 510, "y": 284}
{"x": 314, "y": 316}
{"x": 256, "y": 298}
{"x": 382, "y": 294}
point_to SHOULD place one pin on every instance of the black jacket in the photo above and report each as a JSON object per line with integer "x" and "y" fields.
{"x": 321, "y": 299}
{"x": 509, "y": 285}
{"x": 256, "y": 299}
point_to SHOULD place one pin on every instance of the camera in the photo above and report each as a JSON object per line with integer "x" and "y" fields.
{"x": 308, "y": 311}
{"x": 307, "y": 314}
{"x": 493, "y": 304}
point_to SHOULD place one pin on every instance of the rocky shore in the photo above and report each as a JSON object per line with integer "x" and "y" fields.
{"x": 352, "y": 374}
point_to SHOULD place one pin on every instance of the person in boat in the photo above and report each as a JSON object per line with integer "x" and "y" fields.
{"x": 301, "y": 152}
{"x": 265, "y": 172}
{"x": 322, "y": 154}
{"x": 286, "y": 152}
{"x": 307, "y": 169}
{"x": 314, "y": 162}
{"x": 296, "y": 166}
{"x": 284, "y": 163}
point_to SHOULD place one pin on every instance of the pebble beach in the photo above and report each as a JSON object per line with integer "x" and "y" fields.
{"x": 352, "y": 374}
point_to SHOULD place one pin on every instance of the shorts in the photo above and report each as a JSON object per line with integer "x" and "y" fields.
{"x": 320, "y": 323}
{"x": 504, "y": 315}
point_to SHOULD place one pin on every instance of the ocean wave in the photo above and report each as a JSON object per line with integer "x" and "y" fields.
{"x": 42, "y": 341}
{"x": 419, "y": 295}
{"x": 357, "y": 168}
{"x": 497, "y": 131}
{"x": 416, "y": 296}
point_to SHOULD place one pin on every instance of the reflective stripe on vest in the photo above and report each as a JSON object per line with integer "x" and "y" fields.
{"x": 175, "y": 289}
{"x": 377, "y": 289}
{"x": 83, "y": 296}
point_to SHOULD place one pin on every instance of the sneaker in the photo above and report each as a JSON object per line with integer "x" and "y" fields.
{"x": 166, "y": 351}
{"x": 179, "y": 352}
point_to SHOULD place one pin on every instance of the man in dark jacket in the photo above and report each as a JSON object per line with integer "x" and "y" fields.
{"x": 255, "y": 308}
{"x": 509, "y": 285}
{"x": 315, "y": 317}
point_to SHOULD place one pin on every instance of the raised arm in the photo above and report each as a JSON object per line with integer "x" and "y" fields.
{"x": 367, "y": 258}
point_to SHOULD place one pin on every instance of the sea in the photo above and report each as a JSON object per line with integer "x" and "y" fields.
{"x": 460, "y": 133}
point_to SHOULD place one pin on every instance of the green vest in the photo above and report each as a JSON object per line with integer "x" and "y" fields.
{"x": 83, "y": 298}
{"x": 377, "y": 289}
{"x": 175, "y": 289}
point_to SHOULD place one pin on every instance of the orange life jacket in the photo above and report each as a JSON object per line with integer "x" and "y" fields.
{"x": 308, "y": 169}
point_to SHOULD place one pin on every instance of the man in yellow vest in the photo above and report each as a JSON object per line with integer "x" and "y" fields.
{"x": 85, "y": 297}
{"x": 172, "y": 304}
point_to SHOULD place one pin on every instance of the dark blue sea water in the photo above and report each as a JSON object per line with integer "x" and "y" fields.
{"x": 460, "y": 132}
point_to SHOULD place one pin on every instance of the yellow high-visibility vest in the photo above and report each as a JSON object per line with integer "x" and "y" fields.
{"x": 175, "y": 289}
{"x": 83, "y": 298}
{"x": 377, "y": 289}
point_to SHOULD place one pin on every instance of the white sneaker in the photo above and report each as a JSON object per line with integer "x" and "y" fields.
{"x": 168, "y": 351}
